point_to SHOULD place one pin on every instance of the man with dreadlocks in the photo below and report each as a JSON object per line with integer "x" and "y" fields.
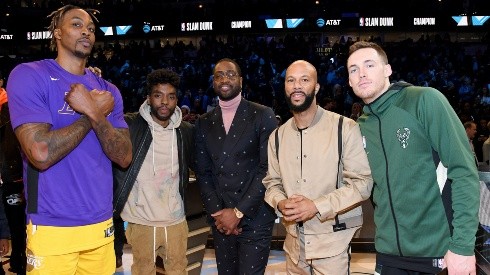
{"x": 70, "y": 125}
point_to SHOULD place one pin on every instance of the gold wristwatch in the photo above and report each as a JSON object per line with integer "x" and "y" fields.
{"x": 238, "y": 213}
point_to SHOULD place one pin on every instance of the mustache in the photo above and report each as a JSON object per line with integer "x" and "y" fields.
{"x": 303, "y": 93}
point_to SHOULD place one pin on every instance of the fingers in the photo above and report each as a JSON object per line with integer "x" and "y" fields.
{"x": 227, "y": 231}
{"x": 223, "y": 230}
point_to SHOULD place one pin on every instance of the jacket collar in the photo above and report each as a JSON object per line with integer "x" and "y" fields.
{"x": 384, "y": 102}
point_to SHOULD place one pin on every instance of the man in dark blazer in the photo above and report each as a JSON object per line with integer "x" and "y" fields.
{"x": 231, "y": 155}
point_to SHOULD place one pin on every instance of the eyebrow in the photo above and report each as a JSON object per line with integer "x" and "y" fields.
{"x": 364, "y": 62}
{"x": 226, "y": 71}
{"x": 79, "y": 18}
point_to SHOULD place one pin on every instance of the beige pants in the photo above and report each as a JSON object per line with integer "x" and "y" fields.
{"x": 336, "y": 265}
{"x": 147, "y": 242}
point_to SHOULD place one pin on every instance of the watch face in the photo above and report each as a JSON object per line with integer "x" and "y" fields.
{"x": 238, "y": 213}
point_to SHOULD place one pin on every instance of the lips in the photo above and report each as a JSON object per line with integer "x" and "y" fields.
{"x": 297, "y": 95}
{"x": 364, "y": 84}
{"x": 163, "y": 109}
{"x": 85, "y": 42}
{"x": 225, "y": 88}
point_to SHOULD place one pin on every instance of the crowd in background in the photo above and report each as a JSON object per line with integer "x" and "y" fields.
{"x": 460, "y": 71}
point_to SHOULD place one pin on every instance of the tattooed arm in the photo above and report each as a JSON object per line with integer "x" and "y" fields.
{"x": 96, "y": 105}
{"x": 44, "y": 147}
{"x": 115, "y": 142}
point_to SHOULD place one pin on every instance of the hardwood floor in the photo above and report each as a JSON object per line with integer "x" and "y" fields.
{"x": 361, "y": 263}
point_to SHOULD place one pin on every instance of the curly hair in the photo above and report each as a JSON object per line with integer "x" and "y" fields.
{"x": 162, "y": 76}
{"x": 57, "y": 16}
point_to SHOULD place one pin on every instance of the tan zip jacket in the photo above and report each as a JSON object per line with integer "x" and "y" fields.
{"x": 308, "y": 162}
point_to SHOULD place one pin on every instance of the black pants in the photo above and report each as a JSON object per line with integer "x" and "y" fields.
{"x": 119, "y": 236}
{"x": 14, "y": 202}
{"x": 246, "y": 253}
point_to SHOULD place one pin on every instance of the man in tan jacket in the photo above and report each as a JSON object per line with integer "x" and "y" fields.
{"x": 302, "y": 178}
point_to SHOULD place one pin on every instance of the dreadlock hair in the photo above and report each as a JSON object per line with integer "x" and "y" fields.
{"x": 56, "y": 17}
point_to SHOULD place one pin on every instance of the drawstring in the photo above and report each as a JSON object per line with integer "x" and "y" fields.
{"x": 153, "y": 146}
{"x": 166, "y": 242}
{"x": 172, "y": 163}
{"x": 154, "y": 243}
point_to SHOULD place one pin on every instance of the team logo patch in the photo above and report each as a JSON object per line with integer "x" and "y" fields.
{"x": 33, "y": 261}
{"x": 15, "y": 199}
{"x": 403, "y": 134}
{"x": 109, "y": 231}
{"x": 439, "y": 263}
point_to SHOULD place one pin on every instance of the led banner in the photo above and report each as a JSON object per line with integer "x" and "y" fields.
{"x": 241, "y": 24}
{"x": 135, "y": 30}
{"x": 325, "y": 24}
{"x": 376, "y": 22}
{"x": 119, "y": 30}
{"x": 424, "y": 21}
{"x": 284, "y": 23}
{"x": 6, "y": 36}
{"x": 148, "y": 28}
{"x": 465, "y": 20}
{"x": 123, "y": 30}
{"x": 196, "y": 26}
{"x": 107, "y": 31}
{"x": 39, "y": 35}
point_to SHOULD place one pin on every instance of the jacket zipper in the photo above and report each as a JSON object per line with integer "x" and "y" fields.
{"x": 397, "y": 233}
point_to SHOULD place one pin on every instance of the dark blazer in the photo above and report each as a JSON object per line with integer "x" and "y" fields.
{"x": 230, "y": 167}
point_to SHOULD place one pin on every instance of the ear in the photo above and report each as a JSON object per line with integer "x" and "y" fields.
{"x": 388, "y": 70}
{"x": 57, "y": 34}
{"x": 317, "y": 88}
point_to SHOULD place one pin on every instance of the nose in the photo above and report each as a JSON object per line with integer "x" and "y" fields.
{"x": 362, "y": 73}
{"x": 86, "y": 31}
{"x": 297, "y": 84}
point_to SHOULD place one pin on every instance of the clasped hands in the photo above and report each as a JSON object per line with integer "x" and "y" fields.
{"x": 89, "y": 103}
{"x": 297, "y": 208}
{"x": 227, "y": 222}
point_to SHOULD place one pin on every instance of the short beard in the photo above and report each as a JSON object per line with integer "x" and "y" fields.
{"x": 302, "y": 107}
{"x": 81, "y": 54}
{"x": 154, "y": 113}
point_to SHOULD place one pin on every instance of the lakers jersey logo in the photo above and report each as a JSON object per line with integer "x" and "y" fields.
{"x": 66, "y": 109}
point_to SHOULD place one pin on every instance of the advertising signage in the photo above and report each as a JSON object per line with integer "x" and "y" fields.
{"x": 132, "y": 30}
{"x": 196, "y": 26}
{"x": 327, "y": 23}
{"x": 241, "y": 24}
{"x": 464, "y": 20}
{"x": 39, "y": 35}
{"x": 6, "y": 37}
{"x": 424, "y": 21}
{"x": 116, "y": 30}
{"x": 376, "y": 22}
